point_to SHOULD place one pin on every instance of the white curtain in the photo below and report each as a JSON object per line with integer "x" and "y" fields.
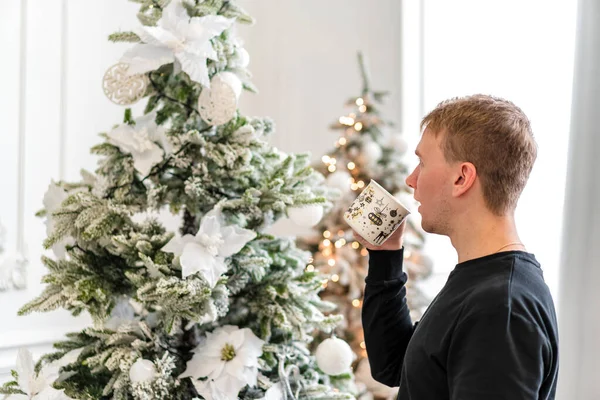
{"x": 579, "y": 318}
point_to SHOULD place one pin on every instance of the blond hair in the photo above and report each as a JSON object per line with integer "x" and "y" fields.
{"x": 495, "y": 136}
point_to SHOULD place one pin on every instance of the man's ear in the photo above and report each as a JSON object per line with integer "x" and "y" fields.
{"x": 464, "y": 179}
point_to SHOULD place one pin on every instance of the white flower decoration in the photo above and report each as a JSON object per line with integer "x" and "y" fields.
{"x": 140, "y": 140}
{"x": 39, "y": 386}
{"x": 206, "y": 252}
{"x": 53, "y": 198}
{"x": 177, "y": 38}
{"x": 229, "y": 359}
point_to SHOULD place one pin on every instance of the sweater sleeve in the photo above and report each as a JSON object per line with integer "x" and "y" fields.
{"x": 496, "y": 355}
{"x": 385, "y": 315}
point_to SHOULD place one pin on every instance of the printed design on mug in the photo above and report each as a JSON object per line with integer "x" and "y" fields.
{"x": 378, "y": 215}
{"x": 354, "y": 212}
{"x": 367, "y": 195}
{"x": 381, "y": 237}
{"x": 387, "y": 230}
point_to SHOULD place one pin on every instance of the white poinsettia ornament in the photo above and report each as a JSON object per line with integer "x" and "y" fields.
{"x": 39, "y": 386}
{"x": 53, "y": 198}
{"x": 206, "y": 252}
{"x": 228, "y": 358}
{"x": 177, "y": 38}
{"x": 142, "y": 142}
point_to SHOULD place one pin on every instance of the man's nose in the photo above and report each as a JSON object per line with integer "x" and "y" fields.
{"x": 410, "y": 181}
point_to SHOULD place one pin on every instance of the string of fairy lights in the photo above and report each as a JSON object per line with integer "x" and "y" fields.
{"x": 331, "y": 242}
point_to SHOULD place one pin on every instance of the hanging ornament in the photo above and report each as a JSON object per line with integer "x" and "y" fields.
{"x": 218, "y": 104}
{"x": 142, "y": 371}
{"x": 306, "y": 216}
{"x": 240, "y": 58}
{"x": 371, "y": 152}
{"x": 397, "y": 142}
{"x": 334, "y": 356}
{"x": 340, "y": 180}
{"x": 123, "y": 89}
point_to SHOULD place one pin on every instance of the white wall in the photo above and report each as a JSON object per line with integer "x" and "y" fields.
{"x": 303, "y": 56}
{"x": 303, "y": 59}
{"x": 511, "y": 49}
{"x": 55, "y": 85}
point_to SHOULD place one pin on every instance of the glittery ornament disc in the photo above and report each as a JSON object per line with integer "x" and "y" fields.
{"x": 218, "y": 104}
{"x": 121, "y": 88}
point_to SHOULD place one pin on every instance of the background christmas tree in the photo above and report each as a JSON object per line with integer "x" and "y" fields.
{"x": 220, "y": 310}
{"x": 367, "y": 148}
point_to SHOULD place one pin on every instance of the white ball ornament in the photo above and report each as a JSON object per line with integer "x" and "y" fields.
{"x": 306, "y": 216}
{"x": 339, "y": 180}
{"x": 218, "y": 104}
{"x": 372, "y": 152}
{"x": 142, "y": 371}
{"x": 334, "y": 356}
{"x": 397, "y": 142}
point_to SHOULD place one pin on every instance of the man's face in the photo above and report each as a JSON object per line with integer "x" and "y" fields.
{"x": 432, "y": 184}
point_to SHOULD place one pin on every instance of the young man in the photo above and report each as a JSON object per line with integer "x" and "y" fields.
{"x": 491, "y": 332}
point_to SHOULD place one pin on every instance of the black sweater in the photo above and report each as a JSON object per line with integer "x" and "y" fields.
{"x": 490, "y": 333}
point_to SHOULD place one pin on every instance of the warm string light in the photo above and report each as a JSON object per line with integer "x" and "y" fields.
{"x": 356, "y": 303}
{"x": 331, "y": 163}
{"x": 360, "y": 101}
{"x": 349, "y": 121}
{"x": 335, "y": 278}
{"x": 310, "y": 268}
{"x": 340, "y": 243}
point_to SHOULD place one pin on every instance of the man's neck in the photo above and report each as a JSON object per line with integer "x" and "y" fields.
{"x": 484, "y": 235}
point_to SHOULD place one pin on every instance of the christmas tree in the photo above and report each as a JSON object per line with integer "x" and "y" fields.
{"x": 219, "y": 310}
{"x": 367, "y": 148}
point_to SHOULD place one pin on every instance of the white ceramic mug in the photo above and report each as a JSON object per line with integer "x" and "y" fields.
{"x": 375, "y": 214}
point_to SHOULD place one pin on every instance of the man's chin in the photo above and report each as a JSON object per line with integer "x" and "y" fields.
{"x": 427, "y": 227}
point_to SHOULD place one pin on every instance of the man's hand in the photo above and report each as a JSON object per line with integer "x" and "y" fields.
{"x": 394, "y": 242}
